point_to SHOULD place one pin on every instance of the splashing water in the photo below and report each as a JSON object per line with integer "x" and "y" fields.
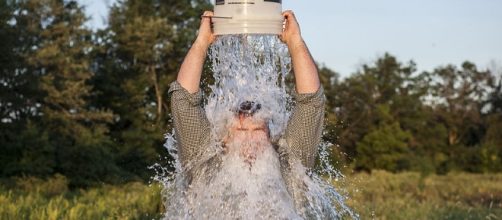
{"x": 249, "y": 68}
{"x": 224, "y": 186}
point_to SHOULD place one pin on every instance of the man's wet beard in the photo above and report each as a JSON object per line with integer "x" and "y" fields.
{"x": 248, "y": 185}
{"x": 248, "y": 149}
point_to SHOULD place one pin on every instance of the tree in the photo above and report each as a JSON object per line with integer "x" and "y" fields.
{"x": 7, "y": 68}
{"x": 386, "y": 146}
{"x": 139, "y": 56}
{"x": 491, "y": 151}
{"x": 20, "y": 94}
{"x": 460, "y": 99}
{"x": 8, "y": 61}
{"x": 76, "y": 130}
{"x": 386, "y": 82}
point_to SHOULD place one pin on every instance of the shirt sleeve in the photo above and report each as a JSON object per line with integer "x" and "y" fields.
{"x": 304, "y": 130}
{"x": 191, "y": 126}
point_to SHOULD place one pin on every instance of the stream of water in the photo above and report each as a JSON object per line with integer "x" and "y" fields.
{"x": 251, "y": 68}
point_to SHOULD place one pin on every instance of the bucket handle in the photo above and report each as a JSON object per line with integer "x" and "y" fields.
{"x": 209, "y": 16}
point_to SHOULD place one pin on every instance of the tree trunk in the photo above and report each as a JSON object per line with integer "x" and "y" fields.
{"x": 158, "y": 94}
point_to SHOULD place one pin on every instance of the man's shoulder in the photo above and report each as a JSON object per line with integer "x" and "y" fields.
{"x": 178, "y": 93}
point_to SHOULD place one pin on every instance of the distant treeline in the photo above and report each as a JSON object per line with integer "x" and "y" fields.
{"x": 389, "y": 116}
{"x": 93, "y": 105}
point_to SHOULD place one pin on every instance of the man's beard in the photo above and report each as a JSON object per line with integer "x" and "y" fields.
{"x": 248, "y": 149}
{"x": 246, "y": 185}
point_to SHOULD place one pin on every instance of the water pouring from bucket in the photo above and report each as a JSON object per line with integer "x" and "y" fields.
{"x": 248, "y": 150}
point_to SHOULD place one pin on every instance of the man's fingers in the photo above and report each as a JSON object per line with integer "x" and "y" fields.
{"x": 206, "y": 20}
{"x": 208, "y": 13}
{"x": 206, "y": 16}
{"x": 289, "y": 18}
{"x": 288, "y": 14}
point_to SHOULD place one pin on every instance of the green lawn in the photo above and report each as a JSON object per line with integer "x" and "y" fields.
{"x": 384, "y": 195}
{"x": 380, "y": 195}
{"x": 34, "y": 199}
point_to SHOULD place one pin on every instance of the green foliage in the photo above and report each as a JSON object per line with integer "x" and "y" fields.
{"x": 329, "y": 80}
{"x": 30, "y": 153}
{"x": 31, "y": 198}
{"x": 24, "y": 147}
{"x": 89, "y": 105}
{"x": 491, "y": 149}
{"x": 76, "y": 131}
{"x": 459, "y": 102}
{"x": 381, "y": 195}
{"x": 385, "y": 147}
{"x": 387, "y": 82}
{"x": 93, "y": 106}
{"x": 491, "y": 157}
{"x": 19, "y": 91}
{"x": 410, "y": 195}
{"x": 144, "y": 46}
{"x": 438, "y": 120}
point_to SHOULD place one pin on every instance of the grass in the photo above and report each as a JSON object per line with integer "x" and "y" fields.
{"x": 51, "y": 200}
{"x": 381, "y": 195}
{"x": 384, "y": 195}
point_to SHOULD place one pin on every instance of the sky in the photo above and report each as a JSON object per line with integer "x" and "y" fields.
{"x": 344, "y": 34}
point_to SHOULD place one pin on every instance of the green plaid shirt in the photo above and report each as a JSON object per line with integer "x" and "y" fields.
{"x": 302, "y": 136}
{"x": 300, "y": 141}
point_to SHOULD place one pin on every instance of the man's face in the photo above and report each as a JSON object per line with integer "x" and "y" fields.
{"x": 248, "y": 136}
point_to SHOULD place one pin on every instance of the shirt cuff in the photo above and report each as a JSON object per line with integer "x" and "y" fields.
{"x": 315, "y": 98}
{"x": 178, "y": 92}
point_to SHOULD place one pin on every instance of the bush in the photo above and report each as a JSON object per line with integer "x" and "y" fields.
{"x": 56, "y": 185}
{"x": 410, "y": 195}
{"x": 38, "y": 199}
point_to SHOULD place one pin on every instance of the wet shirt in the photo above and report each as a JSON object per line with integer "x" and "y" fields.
{"x": 299, "y": 143}
{"x": 193, "y": 130}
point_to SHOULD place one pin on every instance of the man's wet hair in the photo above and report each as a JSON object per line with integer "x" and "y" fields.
{"x": 248, "y": 108}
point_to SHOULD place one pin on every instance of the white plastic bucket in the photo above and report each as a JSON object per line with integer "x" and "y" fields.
{"x": 248, "y": 17}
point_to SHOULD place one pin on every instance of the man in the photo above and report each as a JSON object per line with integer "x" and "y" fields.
{"x": 248, "y": 136}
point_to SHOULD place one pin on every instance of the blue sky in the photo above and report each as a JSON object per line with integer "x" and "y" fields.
{"x": 343, "y": 34}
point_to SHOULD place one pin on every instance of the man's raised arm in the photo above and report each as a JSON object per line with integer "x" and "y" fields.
{"x": 305, "y": 69}
{"x": 191, "y": 69}
{"x": 191, "y": 126}
{"x": 304, "y": 130}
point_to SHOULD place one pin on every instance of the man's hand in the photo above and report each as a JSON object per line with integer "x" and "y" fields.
{"x": 205, "y": 37}
{"x": 291, "y": 34}
{"x": 305, "y": 69}
{"x": 191, "y": 68}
